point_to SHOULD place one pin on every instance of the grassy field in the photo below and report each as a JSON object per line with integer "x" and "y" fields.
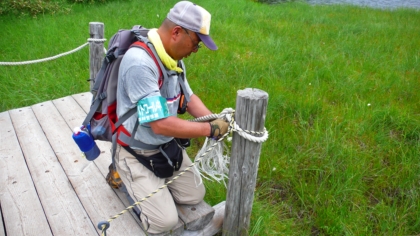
{"x": 343, "y": 113}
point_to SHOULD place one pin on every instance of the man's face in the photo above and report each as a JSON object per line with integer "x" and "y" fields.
{"x": 189, "y": 42}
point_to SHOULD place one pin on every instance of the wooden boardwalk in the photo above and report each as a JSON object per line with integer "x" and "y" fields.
{"x": 47, "y": 186}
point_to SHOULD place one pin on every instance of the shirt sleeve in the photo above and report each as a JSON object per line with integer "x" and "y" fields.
{"x": 141, "y": 78}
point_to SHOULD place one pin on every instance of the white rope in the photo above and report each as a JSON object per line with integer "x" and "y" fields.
{"x": 248, "y": 135}
{"x": 214, "y": 166}
{"x": 52, "y": 58}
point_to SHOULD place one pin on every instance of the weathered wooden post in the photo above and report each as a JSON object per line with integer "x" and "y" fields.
{"x": 96, "y": 50}
{"x": 251, "y": 107}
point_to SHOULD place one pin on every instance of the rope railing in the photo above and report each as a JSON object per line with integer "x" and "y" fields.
{"x": 53, "y": 57}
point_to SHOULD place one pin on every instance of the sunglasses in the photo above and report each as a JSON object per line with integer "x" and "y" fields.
{"x": 196, "y": 47}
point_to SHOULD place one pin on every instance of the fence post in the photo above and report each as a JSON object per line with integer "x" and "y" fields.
{"x": 96, "y": 50}
{"x": 251, "y": 107}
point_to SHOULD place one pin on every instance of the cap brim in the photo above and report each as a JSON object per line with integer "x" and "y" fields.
{"x": 208, "y": 41}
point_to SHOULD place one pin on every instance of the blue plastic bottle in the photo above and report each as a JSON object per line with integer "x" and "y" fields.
{"x": 86, "y": 143}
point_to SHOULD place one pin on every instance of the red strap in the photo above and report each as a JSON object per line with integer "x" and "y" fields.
{"x": 145, "y": 47}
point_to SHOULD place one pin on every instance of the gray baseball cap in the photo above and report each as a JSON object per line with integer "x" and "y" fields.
{"x": 195, "y": 18}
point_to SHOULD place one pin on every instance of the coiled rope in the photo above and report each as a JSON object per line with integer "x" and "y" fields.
{"x": 53, "y": 57}
{"x": 214, "y": 166}
{"x": 228, "y": 115}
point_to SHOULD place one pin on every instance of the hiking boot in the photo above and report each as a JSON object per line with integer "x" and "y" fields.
{"x": 113, "y": 178}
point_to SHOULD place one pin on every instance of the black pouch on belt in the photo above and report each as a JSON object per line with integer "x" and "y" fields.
{"x": 184, "y": 142}
{"x": 164, "y": 163}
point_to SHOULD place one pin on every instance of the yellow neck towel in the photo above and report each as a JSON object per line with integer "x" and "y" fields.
{"x": 164, "y": 57}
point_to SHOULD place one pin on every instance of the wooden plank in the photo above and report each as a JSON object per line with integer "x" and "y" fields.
{"x": 215, "y": 224}
{"x": 21, "y": 209}
{"x": 75, "y": 118}
{"x": 196, "y": 216}
{"x": 74, "y": 115}
{"x": 97, "y": 197}
{"x": 56, "y": 194}
{"x": 84, "y": 100}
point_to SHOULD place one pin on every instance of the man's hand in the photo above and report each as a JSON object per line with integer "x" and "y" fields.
{"x": 219, "y": 127}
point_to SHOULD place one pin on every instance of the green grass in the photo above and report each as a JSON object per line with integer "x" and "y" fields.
{"x": 343, "y": 113}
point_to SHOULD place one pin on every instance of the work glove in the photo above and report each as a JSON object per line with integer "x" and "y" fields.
{"x": 219, "y": 127}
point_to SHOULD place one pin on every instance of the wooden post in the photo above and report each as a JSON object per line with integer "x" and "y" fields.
{"x": 96, "y": 50}
{"x": 251, "y": 106}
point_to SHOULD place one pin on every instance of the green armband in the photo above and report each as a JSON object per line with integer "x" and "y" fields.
{"x": 152, "y": 108}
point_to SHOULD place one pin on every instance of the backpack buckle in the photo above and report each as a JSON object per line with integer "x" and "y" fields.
{"x": 102, "y": 96}
{"x": 136, "y": 32}
{"x": 110, "y": 57}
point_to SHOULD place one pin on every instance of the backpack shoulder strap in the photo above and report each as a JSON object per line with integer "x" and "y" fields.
{"x": 181, "y": 80}
{"x": 149, "y": 48}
